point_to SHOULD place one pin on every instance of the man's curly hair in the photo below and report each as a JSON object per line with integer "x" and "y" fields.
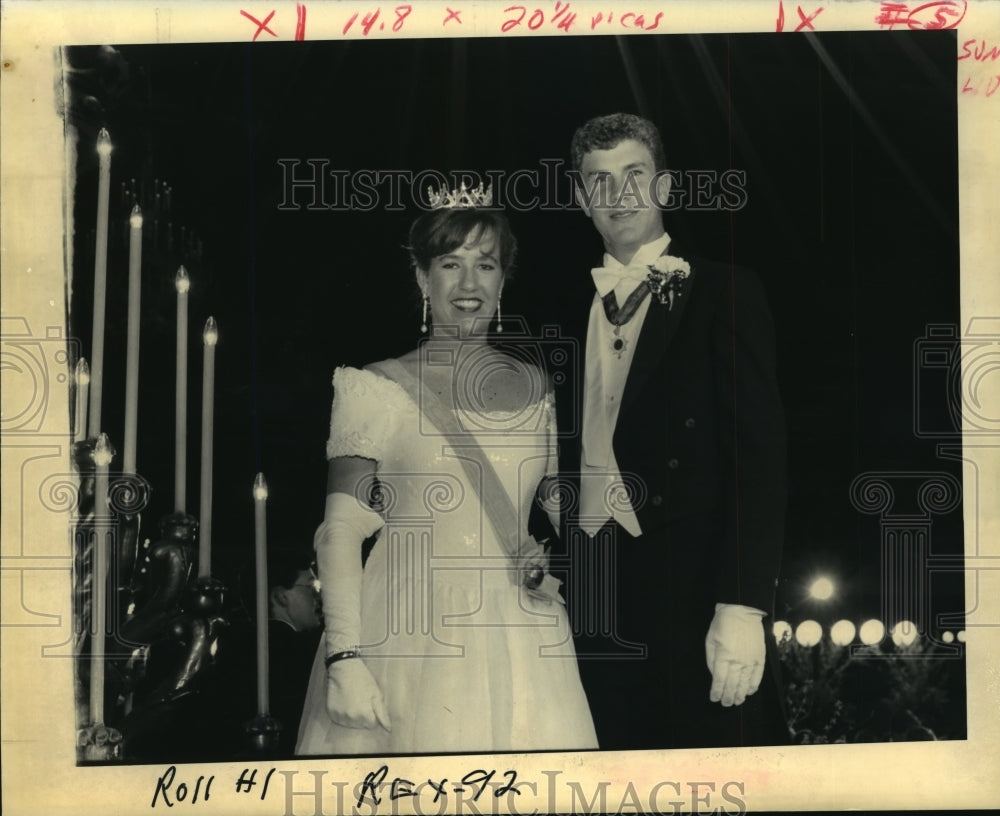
{"x": 606, "y": 132}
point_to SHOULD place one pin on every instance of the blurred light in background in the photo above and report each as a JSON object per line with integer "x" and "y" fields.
{"x": 872, "y": 632}
{"x": 904, "y": 633}
{"x": 808, "y": 633}
{"x": 782, "y": 630}
{"x": 822, "y": 589}
{"x": 842, "y": 632}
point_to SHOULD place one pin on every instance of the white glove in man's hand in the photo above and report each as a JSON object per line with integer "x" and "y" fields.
{"x": 734, "y": 651}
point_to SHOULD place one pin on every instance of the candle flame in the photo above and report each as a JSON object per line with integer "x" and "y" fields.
{"x": 182, "y": 281}
{"x": 104, "y": 143}
{"x": 135, "y": 220}
{"x": 260, "y": 487}
{"x": 103, "y": 451}
{"x": 211, "y": 333}
{"x": 82, "y": 371}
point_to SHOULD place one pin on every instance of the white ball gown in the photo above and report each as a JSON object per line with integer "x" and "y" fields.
{"x": 466, "y": 660}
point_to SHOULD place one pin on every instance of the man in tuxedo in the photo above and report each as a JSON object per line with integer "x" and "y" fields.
{"x": 294, "y": 631}
{"x": 676, "y": 530}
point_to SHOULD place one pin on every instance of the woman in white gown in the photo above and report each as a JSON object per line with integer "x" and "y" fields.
{"x": 453, "y": 638}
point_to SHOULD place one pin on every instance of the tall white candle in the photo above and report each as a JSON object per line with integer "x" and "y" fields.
{"x": 132, "y": 341}
{"x": 210, "y": 337}
{"x": 260, "y": 542}
{"x": 100, "y": 283}
{"x": 183, "y": 284}
{"x": 103, "y": 454}
{"x": 82, "y": 395}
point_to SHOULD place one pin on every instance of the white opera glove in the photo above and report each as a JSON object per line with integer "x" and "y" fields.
{"x": 734, "y": 651}
{"x": 353, "y": 698}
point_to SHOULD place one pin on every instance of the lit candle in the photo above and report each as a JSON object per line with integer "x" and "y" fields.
{"x": 210, "y": 337}
{"x": 260, "y": 541}
{"x": 132, "y": 341}
{"x": 100, "y": 282}
{"x": 82, "y": 395}
{"x": 103, "y": 454}
{"x": 183, "y": 284}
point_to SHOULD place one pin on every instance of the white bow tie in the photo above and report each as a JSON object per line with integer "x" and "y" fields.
{"x": 607, "y": 278}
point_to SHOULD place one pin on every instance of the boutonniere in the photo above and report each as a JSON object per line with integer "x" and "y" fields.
{"x": 666, "y": 276}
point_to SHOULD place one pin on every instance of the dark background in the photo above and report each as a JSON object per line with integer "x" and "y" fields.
{"x": 849, "y": 145}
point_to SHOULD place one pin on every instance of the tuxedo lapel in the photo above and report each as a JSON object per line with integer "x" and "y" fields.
{"x": 680, "y": 303}
{"x": 658, "y": 329}
{"x": 677, "y": 249}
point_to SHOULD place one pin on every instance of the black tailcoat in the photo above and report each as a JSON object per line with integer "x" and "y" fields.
{"x": 701, "y": 432}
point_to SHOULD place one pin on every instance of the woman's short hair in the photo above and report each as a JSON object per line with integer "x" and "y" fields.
{"x": 607, "y": 132}
{"x": 439, "y": 232}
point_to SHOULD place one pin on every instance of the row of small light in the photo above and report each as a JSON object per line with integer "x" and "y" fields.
{"x": 842, "y": 633}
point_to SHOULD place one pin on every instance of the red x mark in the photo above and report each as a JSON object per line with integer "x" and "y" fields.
{"x": 260, "y": 26}
{"x": 807, "y": 21}
{"x": 452, "y": 15}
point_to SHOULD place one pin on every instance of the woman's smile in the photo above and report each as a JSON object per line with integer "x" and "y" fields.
{"x": 467, "y": 304}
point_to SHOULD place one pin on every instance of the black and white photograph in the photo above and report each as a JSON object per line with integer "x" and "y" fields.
{"x": 450, "y": 396}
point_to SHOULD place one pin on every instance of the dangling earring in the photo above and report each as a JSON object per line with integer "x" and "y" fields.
{"x": 423, "y": 324}
{"x": 499, "y": 317}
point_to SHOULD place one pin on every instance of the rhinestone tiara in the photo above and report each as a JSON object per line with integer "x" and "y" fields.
{"x": 462, "y": 197}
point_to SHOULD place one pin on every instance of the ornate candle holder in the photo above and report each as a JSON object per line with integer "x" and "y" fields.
{"x": 166, "y": 570}
{"x": 204, "y": 596}
{"x": 98, "y": 743}
{"x": 83, "y": 460}
{"x": 263, "y": 733}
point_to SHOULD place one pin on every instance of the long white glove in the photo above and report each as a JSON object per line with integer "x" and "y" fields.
{"x": 734, "y": 651}
{"x": 353, "y": 698}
